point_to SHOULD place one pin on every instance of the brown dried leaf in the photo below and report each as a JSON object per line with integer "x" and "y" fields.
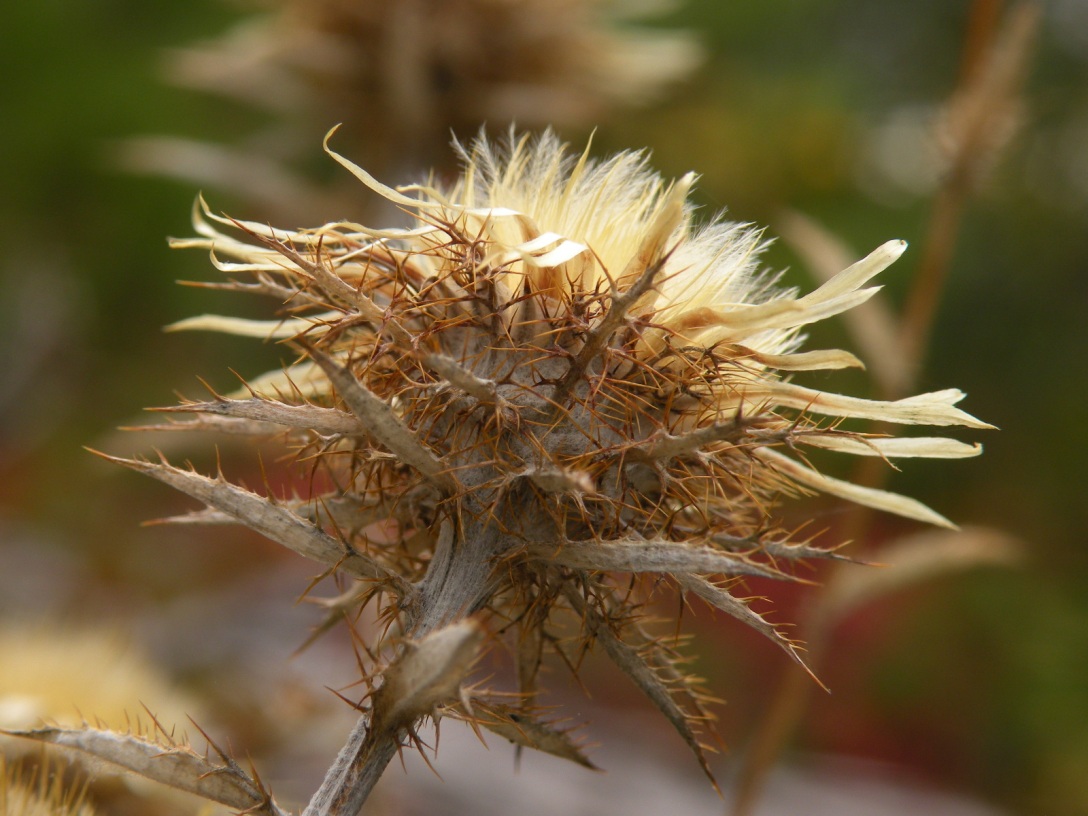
{"x": 458, "y": 376}
{"x": 647, "y": 677}
{"x": 652, "y": 555}
{"x": 213, "y": 424}
{"x": 427, "y": 674}
{"x": 270, "y": 519}
{"x": 522, "y": 729}
{"x": 739, "y": 609}
{"x": 326, "y": 421}
{"x": 561, "y": 480}
{"x": 663, "y": 446}
{"x": 384, "y": 425}
{"x": 175, "y": 765}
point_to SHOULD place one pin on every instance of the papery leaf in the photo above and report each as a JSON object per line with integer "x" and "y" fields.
{"x": 652, "y": 555}
{"x": 867, "y": 496}
{"x": 873, "y": 325}
{"x": 630, "y": 660}
{"x": 902, "y": 447}
{"x": 427, "y": 673}
{"x": 175, "y": 765}
{"x": 270, "y": 519}
{"x": 933, "y": 408}
{"x": 261, "y": 329}
{"x": 515, "y": 725}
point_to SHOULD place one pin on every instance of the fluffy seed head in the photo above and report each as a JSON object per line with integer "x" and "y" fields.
{"x": 553, "y": 376}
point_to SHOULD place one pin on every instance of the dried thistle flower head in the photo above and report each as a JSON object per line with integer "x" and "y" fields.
{"x": 551, "y": 382}
{"x": 401, "y": 75}
{"x": 433, "y": 64}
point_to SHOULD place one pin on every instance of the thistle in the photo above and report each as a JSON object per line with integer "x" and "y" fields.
{"x": 549, "y": 386}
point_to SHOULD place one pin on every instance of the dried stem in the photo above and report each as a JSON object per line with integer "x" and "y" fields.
{"x": 353, "y": 775}
{"x": 452, "y": 589}
{"x": 989, "y": 85}
{"x": 985, "y": 99}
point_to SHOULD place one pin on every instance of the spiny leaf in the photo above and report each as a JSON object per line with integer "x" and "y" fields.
{"x": 560, "y": 480}
{"x": 174, "y": 765}
{"x": 801, "y": 550}
{"x": 723, "y": 600}
{"x": 784, "y": 548}
{"x": 426, "y": 674}
{"x": 663, "y": 446}
{"x": 648, "y": 268}
{"x": 383, "y": 424}
{"x": 345, "y": 512}
{"x": 629, "y": 660}
{"x": 482, "y": 389}
{"x": 213, "y": 424}
{"x": 337, "y": 608}
{"x": 325, "y": 421}
{"x": 652, "y": 555}
{"x": 271, "y": 520}
{"x": 520, "y": 728}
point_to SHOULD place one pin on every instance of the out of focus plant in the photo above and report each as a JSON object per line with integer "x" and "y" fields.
{"x": 67, "y": 678}
{"x": 39, "y": 791}
{"x": 977, "y": 123}
{"x": 400, "y": 77}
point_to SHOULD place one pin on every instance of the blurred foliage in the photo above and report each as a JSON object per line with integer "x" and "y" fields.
{"x": 975, "y": 680}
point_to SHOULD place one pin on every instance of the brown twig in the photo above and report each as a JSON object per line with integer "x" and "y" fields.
{"x": 994, "y": 64}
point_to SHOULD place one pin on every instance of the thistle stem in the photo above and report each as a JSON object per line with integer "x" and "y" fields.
{"x": 352, "y": 777}
{"x": 458, "y": 581}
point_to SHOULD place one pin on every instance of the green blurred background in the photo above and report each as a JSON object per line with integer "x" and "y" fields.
{"x": 978, "y": 681}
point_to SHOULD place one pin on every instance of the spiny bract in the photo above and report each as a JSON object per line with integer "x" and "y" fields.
{"x": 551, "y": 379}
